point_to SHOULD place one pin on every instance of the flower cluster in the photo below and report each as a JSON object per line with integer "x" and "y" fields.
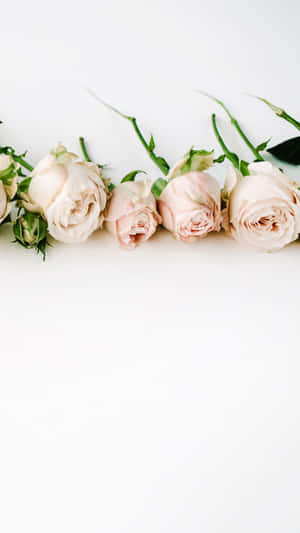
{"x": 67, "y": 199}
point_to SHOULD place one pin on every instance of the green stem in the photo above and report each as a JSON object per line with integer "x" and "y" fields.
{"x": 237, "y": 127}
{"x": 84, "y": 150}
{"x": 22, "y": 162}
{"x": 281, "y": 113}
{"x": 161, "y": 165}
{"x": 231, "y": 156}
{"x": 159, "y": 161}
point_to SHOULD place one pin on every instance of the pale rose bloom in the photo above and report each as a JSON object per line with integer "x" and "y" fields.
{"x": 190, "y": 205}
{"x": 263, "y": 208}
{"x": 132, "y": 216}
{"x": 69, "y": 194}
{"x": 7, "y": 190}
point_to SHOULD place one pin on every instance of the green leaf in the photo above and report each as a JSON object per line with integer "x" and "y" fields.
{"x": 234, "y": 159}
{"x": 158, "y": 186}
{"x": 8, "y": 174}
{"x": 24, "y": 185}
{"x": 163, "y": 165}
{"x": 131, "y": 175}
{"x": 220, "y": 159}
{"x": 197, "y": 160}
{"x": 244, "y": 168}
{"x": 30, "y": 230}
{"x": 287, "y": 151}
{"x": 110, "y": 187}
{"x": 261, "y": 147}
{"x": 151, "y": 144}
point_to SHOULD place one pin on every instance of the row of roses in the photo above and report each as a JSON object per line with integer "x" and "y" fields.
{"x": 68, "y": 199}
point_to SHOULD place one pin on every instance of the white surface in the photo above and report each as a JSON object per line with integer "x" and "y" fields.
{"x": 153, "y": 391}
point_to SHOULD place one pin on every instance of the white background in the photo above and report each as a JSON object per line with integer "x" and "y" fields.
{"x": 157, "y": 390}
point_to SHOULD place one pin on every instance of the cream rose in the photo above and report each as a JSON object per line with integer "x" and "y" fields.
{"x": 132, "y": 216}
{"x": 70, "y": 195}
{"x": 263, "y": 208}
{"x": 190, "y": 205}
{"x": 8, "y": 184}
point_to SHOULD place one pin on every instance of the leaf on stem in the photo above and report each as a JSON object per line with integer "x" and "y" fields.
{"x": 149, "y": 147}
{"x": 131, "y": 175}
{"x": 261, "y": 147}
{"x": 158, "y": 186}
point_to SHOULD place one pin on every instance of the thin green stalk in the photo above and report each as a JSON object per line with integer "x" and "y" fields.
{"x": 149, "y": 147}
{"x": 84, "y": 150}
{"x": 22, "y": 162}
{"x": 281, "y": 113}
{"x": 230, "y": 155}
{"x": 237, "y": 127}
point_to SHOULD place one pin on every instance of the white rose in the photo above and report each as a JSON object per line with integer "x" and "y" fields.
{"x": 263, "y": 208}
{"x": 70, "y": 195}
{"x": 8, "y": 184}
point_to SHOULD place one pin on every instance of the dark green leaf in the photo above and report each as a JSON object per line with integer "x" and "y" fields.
{"x": 158, "y": 186}
{"x": 288, "y": 151}
{"x": 131, "y": 175}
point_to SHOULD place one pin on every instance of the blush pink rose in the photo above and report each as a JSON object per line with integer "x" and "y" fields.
{"x": 190, "y": 206}
{"x": 263, "y": 208}
{"x": 132, "y": 215}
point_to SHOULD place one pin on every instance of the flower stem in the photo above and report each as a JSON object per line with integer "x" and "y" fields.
{"x": 281, "y": 113}
{"x": 9, "y": 150}
{"x": 84, "y": 149}
{"x": 237, "y": 127}
{"x": 159, "y": 161}
{"x": 19, "y": 159}
{"x": 230, "y": 155}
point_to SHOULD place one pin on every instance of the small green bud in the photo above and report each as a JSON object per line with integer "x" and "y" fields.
{"x": 30, "y": 230}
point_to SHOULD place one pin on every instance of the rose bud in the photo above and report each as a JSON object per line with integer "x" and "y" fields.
{"x": 70, "y": 195}
{"x": 8, "y": 184}
{"x": 30, "y": 230}
{"x": 263, "y": 209}
{"x": 132, "y": 216}
{"x": 190, "y": 202}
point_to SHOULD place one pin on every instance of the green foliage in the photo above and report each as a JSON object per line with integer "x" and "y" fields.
{"x": 131, "y": 175}
{"x": 244, "y": 168}
{"x": 220, "y": 159}
{"x": 8, "y": 174}
{"x": 158, "y": 186}
{"x": 24, "y": 185}
{"x": 287, "y": 151}
{"x": 261, "y": 147}
{"x": 30, "y": 230}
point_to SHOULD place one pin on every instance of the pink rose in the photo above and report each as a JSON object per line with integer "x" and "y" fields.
{"x": 132, "y": 215}
{"x": 190, "y": 206}
{"x": 263, "y": 208}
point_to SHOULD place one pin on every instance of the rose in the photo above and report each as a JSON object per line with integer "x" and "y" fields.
{"x": 8, "y": 184}
{"x": 132, "y": 216}
{"x": 190, "y": 204}
{"x": 69, "y": 194}
{"x": 263, "y": 208}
